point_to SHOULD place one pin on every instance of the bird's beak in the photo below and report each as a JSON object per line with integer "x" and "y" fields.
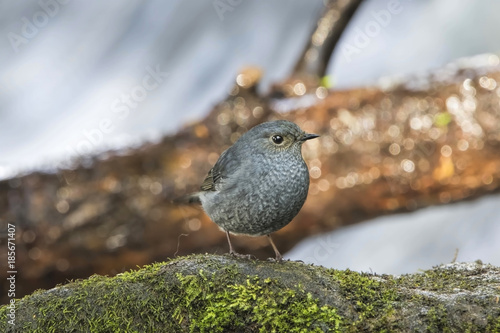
{"x": 307, "y": 136}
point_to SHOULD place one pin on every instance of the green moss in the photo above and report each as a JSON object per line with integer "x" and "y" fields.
{"x": 372, "y": 300}
{"x": 206, "y": 306}
{"x": 99, "y": 304}
{"x": 447, "y": 280}
{"x": 493, "y": 324}
{"x": 438, "y": 320}
{"x": 209, "y": 293}
{"x": 151, "y": 299}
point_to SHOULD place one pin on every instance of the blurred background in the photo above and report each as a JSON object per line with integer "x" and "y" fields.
{"x": 76, "y": 62}
{"x": 143, "y": 86}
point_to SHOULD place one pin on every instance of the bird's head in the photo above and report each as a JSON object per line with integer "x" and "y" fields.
{"x": 277, "y": 136}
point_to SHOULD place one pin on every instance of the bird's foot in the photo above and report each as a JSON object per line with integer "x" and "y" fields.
{"x": 277, "y": 259}
{"x": 242, "y": 256}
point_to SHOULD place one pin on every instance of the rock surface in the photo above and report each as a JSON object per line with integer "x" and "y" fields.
{"x": 212, "y": 293}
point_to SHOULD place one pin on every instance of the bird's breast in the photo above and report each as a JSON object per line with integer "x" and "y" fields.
{"x": 261, "y": 197}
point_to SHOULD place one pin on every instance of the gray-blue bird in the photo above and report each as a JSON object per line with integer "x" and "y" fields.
{"x": 259, "y": 184}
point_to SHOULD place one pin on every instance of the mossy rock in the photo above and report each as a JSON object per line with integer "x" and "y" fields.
{"x": 213, "y": 293}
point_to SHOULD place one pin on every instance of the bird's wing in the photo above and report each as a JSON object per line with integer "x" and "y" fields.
{"x": 217, "y": 173}
{"x": 209, "y": 182}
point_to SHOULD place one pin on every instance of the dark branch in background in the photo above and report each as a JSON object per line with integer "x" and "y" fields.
{"x": 331, "y": 25}
{"x": 311, "y": 67}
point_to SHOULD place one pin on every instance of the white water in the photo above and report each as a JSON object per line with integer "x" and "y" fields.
{"x": 61, "y": 88}
{"x": 406, "y": 243}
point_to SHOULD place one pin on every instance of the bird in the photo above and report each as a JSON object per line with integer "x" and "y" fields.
{"x": 259, "y": 184}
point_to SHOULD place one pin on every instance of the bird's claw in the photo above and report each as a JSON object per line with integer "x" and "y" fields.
{"x": 242, "y": 256}
{"x": 279, "y": 259}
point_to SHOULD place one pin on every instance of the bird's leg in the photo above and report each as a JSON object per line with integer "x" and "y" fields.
{"x": 233, "y": 252}
{"x": 279, "y": 257}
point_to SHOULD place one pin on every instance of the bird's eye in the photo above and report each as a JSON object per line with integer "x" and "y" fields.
{"x": 277, "y": 139}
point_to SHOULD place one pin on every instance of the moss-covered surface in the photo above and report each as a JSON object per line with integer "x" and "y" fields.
{"x": 210, "y": 293}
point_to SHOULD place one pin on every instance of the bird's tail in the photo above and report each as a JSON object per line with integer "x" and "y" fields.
{"x": 193, "y": 198}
